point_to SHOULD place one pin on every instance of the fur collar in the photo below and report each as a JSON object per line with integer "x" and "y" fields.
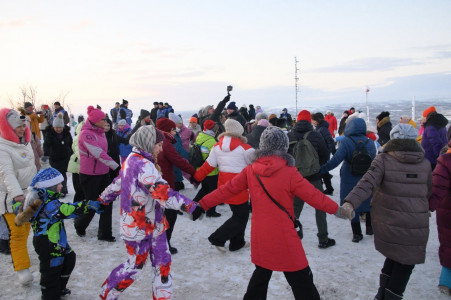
{"x": 407, "y": 145}
{"x": 242, "y": 138}
{"x": 264, "y": 153}
{"x": 383, "y": 122}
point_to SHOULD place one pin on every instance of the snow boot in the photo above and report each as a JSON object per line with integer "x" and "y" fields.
{"x": 4, "y": 247}
{"x": 444, "y": 290}
{"x": 369, "y": 227}
{"x": 389, "y": 295}
{"x": 383, "y": 281}
{"x": 356, "y": 232}
{"x": 24, "y": 276}
{"x": 326, "y": 244}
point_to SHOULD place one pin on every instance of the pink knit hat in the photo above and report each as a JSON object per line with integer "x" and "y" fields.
{"x": 95, "y": 115}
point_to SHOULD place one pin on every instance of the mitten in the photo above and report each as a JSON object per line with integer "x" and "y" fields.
{"x": 198, "y": 212}
{"x": 94, "y": 205}
{"x": 160, "y": 191}
{"x": 194, "y": 182}
{"x": 346, "y": 211}
{"x": 17, "y": 207}
{"x": 227, "y": 98}
{"x": 26, "y": 215}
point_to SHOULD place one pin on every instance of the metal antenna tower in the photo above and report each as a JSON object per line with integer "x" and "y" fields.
{"x": 296, "y": 81}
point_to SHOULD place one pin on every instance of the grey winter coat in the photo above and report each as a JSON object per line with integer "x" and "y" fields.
{"x": 401, "y": 180}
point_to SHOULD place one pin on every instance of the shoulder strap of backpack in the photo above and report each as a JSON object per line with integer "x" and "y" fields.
{"x": 276, "y": 203}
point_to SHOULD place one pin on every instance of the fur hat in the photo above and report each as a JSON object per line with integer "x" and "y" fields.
{"x": 95, "y": 115}
{"x": 403, "y": 131}
{"x": 263, "y": 122}
{"x": 273, "y": 138}
{"x": 46, "y": 178}
{"x": 233, "y": 126}
{"x": 193, "y": 120}
{"x": 146, "y": 137}
{"x": 166, "y": 125}
{"x": 58, "y": 122}
{"x": 261, "y": 116}
{"x": 175, "y": 118}
{"x": 305, "y": 116}
{"x": 209, "y": 124}
{"x": 232, "y": 105}
{"x": 382, "y": 115}
{"x": 121, "y": 122}
{"x": 427, "y": 111}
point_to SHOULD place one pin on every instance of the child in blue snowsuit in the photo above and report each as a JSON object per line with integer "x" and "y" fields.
{"x": 56, "y": 258}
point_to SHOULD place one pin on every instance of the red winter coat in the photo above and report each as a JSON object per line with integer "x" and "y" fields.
{"x": 275, "y": 244}
{"x": 440, "y": 200}
{"x": 332, "y": 124}
{"x": 168, "y": 158}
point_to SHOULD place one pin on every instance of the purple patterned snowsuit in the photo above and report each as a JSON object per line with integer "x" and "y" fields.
{"x": 143, "y": 225}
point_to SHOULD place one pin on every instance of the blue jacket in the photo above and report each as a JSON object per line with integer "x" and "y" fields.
{"x": 124, "y": 150}
{"x": 356, "y": 129}
{"x": 183, "y": 153}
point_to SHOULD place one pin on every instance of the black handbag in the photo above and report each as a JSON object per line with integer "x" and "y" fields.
{"x": 297, "y": 224}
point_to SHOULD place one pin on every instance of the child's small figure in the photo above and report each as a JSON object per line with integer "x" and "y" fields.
{"x": 46, "y": 214}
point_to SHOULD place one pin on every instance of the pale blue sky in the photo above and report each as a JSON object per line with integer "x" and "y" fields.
{"x": 187, "y": 52}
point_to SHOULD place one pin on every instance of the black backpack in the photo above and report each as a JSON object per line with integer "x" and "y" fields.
{"x": 195, "y": 156}
{"x": 361, "y": 158}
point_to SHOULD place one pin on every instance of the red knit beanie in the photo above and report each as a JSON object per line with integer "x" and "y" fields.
{"x": 304, "y": 115}
{"x": 209, "y": 124}
{"x": 428, "y": 111}
{"x": 166, "y": 125}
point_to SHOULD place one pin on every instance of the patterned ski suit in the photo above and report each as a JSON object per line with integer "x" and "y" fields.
{"x": 144, "y": 196}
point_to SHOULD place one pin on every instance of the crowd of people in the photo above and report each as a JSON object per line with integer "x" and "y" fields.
{"x": 392, "y": 176}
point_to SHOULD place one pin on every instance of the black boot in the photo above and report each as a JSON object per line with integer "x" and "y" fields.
{"x": 356, "y": 232}
{"x": 383, "y": 282}
{"x": 4, "y": 247}
{"x": 328, "y": 183}
{"x": 369, "y": 227}
{"x": 389, "y": 295}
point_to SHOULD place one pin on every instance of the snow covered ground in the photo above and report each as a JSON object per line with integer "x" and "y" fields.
{"x": 347, "y": 271}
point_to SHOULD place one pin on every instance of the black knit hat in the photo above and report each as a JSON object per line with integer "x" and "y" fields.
{"x": 318, "y": 117}
{"x": 124, "y": 101}
{"x": 144, "y": 113}
{"x": 383, "y": 115}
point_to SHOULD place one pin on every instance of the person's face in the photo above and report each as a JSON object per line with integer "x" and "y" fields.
{"x": 120, "y": 127}
{"x": 377, "y": 120}
{"x": 155, "y": 106}
{"x": 106, "y": 127}
{"x": 117, "y": 105}
{"x": 147, "y": 119}
{"x": 192, "y": 124}
{"x": 59, "y": 187}
{"x": 29, "y": 109}
{"x": 58, "y": 129}
{"x": 160, "y": 105}
{"x": 314, "y": 123}
{"x": 56, "y": 106}
{"x": 20, "y": 130}
{"x": 173, "y": 131}
{"x": 179, "y": 125}
{"x": 229, "y": 111}
{"x": 157, "y": 149}
{"x": 211, "y": 110}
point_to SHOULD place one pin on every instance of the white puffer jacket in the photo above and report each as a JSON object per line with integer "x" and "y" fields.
{"x": 17, "y": 167}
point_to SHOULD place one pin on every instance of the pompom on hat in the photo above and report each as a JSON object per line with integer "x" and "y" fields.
{"x": 403, "y": 131}
{"x": 209, "y": 124}
{"x": 273, "y": 138}
{"x": 304, "y": 115}
{"x": 58, "y": 122}
{"x": 166, "y": 125}
{"x": 427, "y": 111}
{"x": 234, "y": 127}
{"x": 95, "y": 115}
{"x": 46, "y": 178}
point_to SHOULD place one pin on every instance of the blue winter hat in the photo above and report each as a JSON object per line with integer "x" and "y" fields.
{"x": 46, "y": 178}
{"x": 232, "y": 105}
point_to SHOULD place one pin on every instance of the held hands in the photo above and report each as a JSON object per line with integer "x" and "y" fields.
{"x": 94, "y": 205}
{"x": 194, "y": 182}
{"x": 346, "y": 211}
{"x": 198, "y": 213}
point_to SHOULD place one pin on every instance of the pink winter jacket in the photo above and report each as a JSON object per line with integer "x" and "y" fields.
{"x": 93, "y": 147}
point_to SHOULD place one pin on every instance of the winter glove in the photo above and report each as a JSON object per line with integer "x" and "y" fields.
{"x": 29, "y": 212}
{"x": 194, "y": 182}
{"x": 17, "y": 207}
{"x": 160, "y": 191}
{"x": 198, "y": 213}
{"x": 45, "y": 159}
{"x": 227, "y": 98}
{"x": 94, "y": 205}
{"x": 346, "y": 211}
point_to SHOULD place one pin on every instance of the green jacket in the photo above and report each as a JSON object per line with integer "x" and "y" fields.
{"x": 74, "y": 162}
{"x": 206, "y": 143}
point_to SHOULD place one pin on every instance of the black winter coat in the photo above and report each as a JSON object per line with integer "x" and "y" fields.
{"x": 216, "y": 115}
{"x": 383, "y": 130}
{"x": 298, "y": 131}
{"x": 341, "y": 127}
{"x": 253, "y": 138}
{"x": 58, "y": 147}
{"x": 323, "y": 129}
{"x": 238, "y": 117}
